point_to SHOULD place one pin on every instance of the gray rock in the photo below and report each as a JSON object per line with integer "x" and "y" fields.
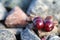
{"x": 30, "y": 26}
{"x": 28, "y": 34}
{"x": 54, "y": 37}
{"x": 37, "y": 7}
{"x": 3, "y": 12}
{"x": 6, "y": 35}
{"x": 59, "y": 29}
{"x": 44, "y": 8}
{"x": 3, "y": 1}
{"x": 22, "y": 3}
{"x": 13, "y": 30}
{"x": 2, "y": 26}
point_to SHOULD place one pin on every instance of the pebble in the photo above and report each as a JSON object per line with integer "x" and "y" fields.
{"x": 3, "y": 12}
{"x": 44, "y": 8}
{"x": 28, "y": 34}
{"x": 13, "y": 30}
{"x": 16, "y": 18}
{"x": 6, "y": 35}
{"x": 3, "y": 1}
{"x": 54, "y": 37}
{"x": 24, "y": 4}
{"x": 2, "y": 26}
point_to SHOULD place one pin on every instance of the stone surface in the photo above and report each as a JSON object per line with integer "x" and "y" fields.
{"x": 28, "y": 34}
{"x": 6, "y": 35}
{"x": 44, "y": 8}
{"x": 3, "y": 1}
{"x": 59, "y": 29}
{"x": 30, "y": 26}
{"x": 2, "y": 26}
{"x": 54, "y": 37}
{"x": 13, "y": 30}
{"x": 16, "y": 18}
{"x": 21, "y": 3}
{"x": 3, "y": 12}
{"x": 43, "y": 33}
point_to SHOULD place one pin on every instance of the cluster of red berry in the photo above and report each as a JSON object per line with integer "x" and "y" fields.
{"x": 46, "y": 24}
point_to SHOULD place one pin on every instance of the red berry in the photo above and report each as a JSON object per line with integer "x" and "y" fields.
{"x": 50, "y": 18}
{"x": 38, "y": 23}
{"x": 48, "y": 26}
{"x": 37, "y": 18}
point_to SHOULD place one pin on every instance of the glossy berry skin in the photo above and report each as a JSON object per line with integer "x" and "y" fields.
{"x": 37, "y": 18}
{"x": 38, "y": 23}
{"x": 48, "y": 26}
{"x": 49, "y": 18}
